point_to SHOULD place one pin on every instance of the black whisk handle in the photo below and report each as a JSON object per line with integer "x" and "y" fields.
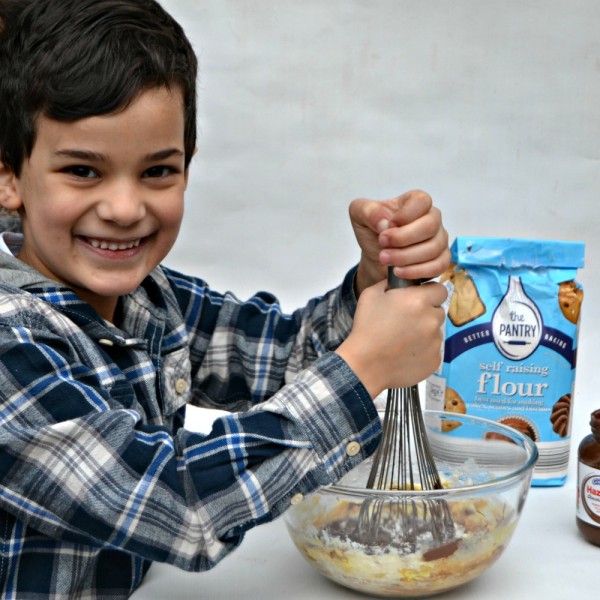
{"x": 399, "y": 282}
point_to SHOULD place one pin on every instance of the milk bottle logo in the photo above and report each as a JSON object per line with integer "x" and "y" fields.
{"x": 517, "y": 323}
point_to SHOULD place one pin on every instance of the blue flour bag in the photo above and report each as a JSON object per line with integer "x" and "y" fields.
{"x": 511, "y": 341}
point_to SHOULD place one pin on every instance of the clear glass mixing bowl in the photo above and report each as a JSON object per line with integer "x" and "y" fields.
{"x": 388, "y": 543}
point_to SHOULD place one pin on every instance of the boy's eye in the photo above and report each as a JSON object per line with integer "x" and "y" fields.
{"x": 158, "y": 171}
{"x": 81, "y": 171}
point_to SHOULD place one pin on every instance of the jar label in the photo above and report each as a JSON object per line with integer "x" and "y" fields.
{"x": 588, "y": 495}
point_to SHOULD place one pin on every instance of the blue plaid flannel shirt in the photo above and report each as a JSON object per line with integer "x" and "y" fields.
{"x": 98, "y": 476}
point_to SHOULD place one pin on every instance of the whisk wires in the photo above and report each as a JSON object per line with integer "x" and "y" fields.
{"x": 404, "y": 460}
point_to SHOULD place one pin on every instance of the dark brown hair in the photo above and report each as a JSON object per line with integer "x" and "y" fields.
{"x": 70, "y": 59}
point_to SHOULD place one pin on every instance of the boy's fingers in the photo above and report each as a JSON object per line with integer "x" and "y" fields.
{"x": 380, "y": 215}
{"x": 410, "y": 207}
{"x": 373, "y": 214}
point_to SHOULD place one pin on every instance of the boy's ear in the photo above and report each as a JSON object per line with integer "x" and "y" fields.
{"x": 10, "y": 198}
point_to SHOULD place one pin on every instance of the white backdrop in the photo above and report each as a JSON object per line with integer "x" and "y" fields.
{"x": 492, "y": 107}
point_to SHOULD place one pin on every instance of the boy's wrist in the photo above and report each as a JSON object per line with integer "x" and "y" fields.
{"x": 361, "y": 368}
{"x": 366, "y": 276}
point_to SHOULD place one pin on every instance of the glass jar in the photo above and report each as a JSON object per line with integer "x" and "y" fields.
{"x": 588, "y": 483}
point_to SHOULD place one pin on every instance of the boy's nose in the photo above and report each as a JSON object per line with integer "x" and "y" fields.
{"x": 122, "y": 204}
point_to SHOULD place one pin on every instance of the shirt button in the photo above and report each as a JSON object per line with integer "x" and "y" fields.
{"x": 296, "y": 499}
{"x": 353, "y": 448}
{"x": 180, "y": 386}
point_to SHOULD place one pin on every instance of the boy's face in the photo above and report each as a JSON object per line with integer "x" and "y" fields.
{"x": 102, "y": 197}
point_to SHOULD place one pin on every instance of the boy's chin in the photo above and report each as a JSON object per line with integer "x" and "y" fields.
{"x": 106, "y": 291}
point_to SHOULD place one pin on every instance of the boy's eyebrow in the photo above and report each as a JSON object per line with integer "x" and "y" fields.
{"x": 80, "y": 154}
{"x": 99, "y": 157}
{"x": 162, "y": 154}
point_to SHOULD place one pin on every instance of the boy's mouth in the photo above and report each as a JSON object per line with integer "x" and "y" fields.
{"x": 112, "y": 245}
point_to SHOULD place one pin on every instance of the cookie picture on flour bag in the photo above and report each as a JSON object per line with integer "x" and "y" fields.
{"x": 513, "y": 316}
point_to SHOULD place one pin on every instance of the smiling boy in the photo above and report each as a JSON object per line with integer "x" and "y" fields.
{"x": 101, "y": 347}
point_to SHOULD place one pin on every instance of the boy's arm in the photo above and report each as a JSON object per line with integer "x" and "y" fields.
{"x": 244, "y": 352}
{"x": 79, "y": 462}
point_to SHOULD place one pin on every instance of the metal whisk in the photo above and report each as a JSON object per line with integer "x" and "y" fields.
{"x": 404, "y": 461}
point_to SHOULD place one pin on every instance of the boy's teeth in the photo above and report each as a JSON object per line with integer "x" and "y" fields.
{"x": 104, "y": 245}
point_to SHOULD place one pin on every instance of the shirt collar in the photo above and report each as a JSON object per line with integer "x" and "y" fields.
{"x": 10, "y": 243}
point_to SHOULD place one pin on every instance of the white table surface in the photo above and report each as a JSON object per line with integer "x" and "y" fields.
{"x": 546, "y": 559}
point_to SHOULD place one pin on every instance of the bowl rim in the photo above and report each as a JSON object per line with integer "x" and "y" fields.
{"x": 497, "y": 483}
